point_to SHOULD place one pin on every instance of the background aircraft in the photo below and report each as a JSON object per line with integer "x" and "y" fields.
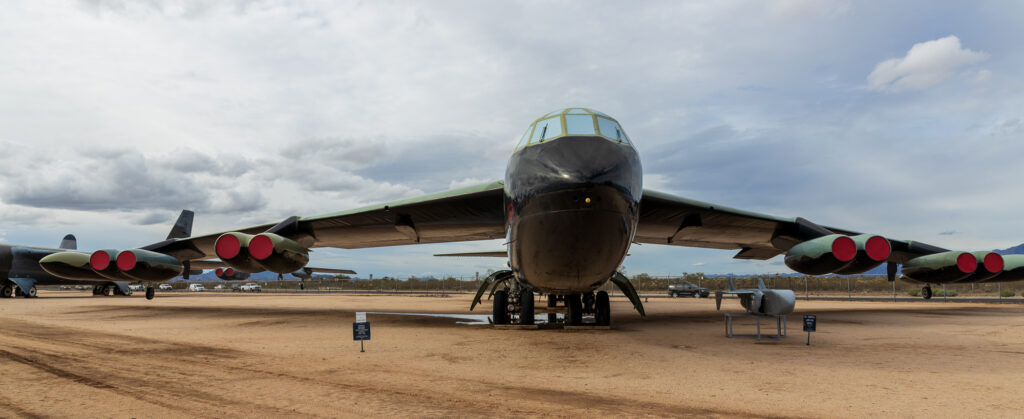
{"x": 27, "y": 266}
{"x": 760, "y": 300}
{"x": 108, "y": 271}
{"x": 570, "y": 207}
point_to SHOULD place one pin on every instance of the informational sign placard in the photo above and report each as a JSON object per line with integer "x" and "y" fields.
{"x": 360, "y": 317}
{"x": 361, "y": 331}
{"x": 810, "y": 322}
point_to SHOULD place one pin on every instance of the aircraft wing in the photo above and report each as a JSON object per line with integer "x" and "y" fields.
{"x": 678, "y": 221}
{"x": 470, "y": 213}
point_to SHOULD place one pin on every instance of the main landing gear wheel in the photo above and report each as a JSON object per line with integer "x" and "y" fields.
{"x": 31, "y": 293}
{"x": 603, "y": 309}
{"x": 7, "y": 291}
{"x": 500, "y": 314}
{"x": 574, "y": 315}
{"x": 926, "y": 292}
{"x": 552, "y": 302}
{"x": 150, "y": 293}
{"x": 526, "y": 307}
{"x": 105, "y": 291}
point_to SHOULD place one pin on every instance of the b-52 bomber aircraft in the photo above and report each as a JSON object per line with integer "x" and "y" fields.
{"x": 571, "y": 205}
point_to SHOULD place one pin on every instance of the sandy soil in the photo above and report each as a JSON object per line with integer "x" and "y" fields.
{"x": 70, "y": 354}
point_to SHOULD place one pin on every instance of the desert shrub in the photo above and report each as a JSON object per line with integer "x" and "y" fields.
{"x": 946, "y": 293}
{"x": 914, "y": 292}
{"x": 1006, "y": 293}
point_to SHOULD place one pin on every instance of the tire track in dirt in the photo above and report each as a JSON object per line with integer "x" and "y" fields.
{"x": 8, "y": 405}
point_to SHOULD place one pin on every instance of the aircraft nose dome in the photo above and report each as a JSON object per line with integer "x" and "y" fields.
{"x": 573, "y": 122}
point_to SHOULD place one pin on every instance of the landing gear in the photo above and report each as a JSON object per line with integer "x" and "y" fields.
{"x": 602, "y": 309}
{"x": 526, "y": 307}
{"x": 7, "y": 291}
{"x": 31, "y": 293}
{"x": 552, "y": 303}
{"x": 105, "y": 290}
{"x": 500, "y": 312}
{"x": 150, "y": 293}
{"x": 574, "y": 315}
{"x": 926, "y": 292}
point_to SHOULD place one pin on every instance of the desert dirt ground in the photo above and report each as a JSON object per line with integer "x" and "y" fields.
{"x": 68, "y": 354}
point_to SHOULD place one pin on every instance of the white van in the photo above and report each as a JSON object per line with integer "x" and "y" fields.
{"x": 196, "y": 287}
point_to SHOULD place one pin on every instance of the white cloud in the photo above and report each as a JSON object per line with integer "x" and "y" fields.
{"x": 925, "y": 65}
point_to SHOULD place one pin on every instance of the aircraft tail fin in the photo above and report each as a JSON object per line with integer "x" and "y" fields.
{"x": 760, "y": 284}
{"x": 69, "y": 242}
{"x": 732, "y": 286}
{"x": 183, "y": 227}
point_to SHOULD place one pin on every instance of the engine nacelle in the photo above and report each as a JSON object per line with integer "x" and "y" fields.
{"x": 278, "y": 254}
{"x": 990, "y": 265}
{"x": 940, "y": 268}
{"x": 70, "y": 265}
{"x": 145, "y": 265}
{"x": 1013, "y": 269}
{"x": 233, "y": 249}
{"x": 822, "y": 255}
{"x": 104, "y": 263}
{"x": 230, "y": 274}
{"x": 871, "y": 252}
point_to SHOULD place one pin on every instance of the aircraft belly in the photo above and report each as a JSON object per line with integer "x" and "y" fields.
{"x": 570, "y": 251}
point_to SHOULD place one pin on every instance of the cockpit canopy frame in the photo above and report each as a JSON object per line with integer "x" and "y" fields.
{"x": 575, "y": 122}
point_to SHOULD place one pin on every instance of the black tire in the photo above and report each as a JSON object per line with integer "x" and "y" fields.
{"x": 105, "y": 291}
{"x": 673, "y": 294}
{"x": 603, "y": 308}
{"x": 6, "y": 291}
{"x": 926, "y": 292}
{"x": 32, "y": 292}
{"x": 526, "y": 313}
{"x": 574, "y": 316}
{"x": 150, "y": 293}
{"x": 552, "y": 302}
{"x": 499, "y": 313}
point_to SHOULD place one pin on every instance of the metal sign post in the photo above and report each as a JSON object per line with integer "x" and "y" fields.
{"x": 810, "y": 325}
{"x": 361, "y": 330}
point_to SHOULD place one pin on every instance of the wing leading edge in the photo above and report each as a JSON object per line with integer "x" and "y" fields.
{"x": 673, "y": 220}
{"x": 464, "y": 214}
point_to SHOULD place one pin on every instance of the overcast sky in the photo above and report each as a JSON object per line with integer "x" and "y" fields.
{"x": 904, "y": 119}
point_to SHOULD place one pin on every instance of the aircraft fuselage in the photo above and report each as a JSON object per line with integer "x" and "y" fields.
{"x": 572, "y": 206}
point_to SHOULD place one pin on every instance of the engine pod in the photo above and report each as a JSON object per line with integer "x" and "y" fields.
{"x": 871, "y": 251}
{"x": 823, "y": 255}
{"x": 104, "y": 263}
{"x": 990, "y": 265}
{"x": 278, "y": 254}
{"x": 146, "y": 265}
{"x": 1013, "y": 269}
{"x": 233, "y": 249}
{"x": 70, "y": 265}
{"x": 940, "y": 268}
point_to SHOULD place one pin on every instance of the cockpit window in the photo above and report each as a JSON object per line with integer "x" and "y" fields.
{"x": 579, "y": 124}
{"x": 611, "y": 129}
{"x": 547, "y": 129}
{"x": 526, "y": 136}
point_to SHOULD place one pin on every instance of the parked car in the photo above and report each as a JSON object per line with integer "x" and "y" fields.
{"x": 64, "y": 287}
{"x": 166, "y": 287}
{"x": 236, "y": 287}
{"x": 687, "y": 289}
{"x": 136, "y": 287}
{"x": 250, "y": 287}
{"x": 196, "y": 287}
{"x": 219, "y": 287}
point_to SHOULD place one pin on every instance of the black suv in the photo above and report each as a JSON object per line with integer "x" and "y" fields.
{"x": 688, "y": 289}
